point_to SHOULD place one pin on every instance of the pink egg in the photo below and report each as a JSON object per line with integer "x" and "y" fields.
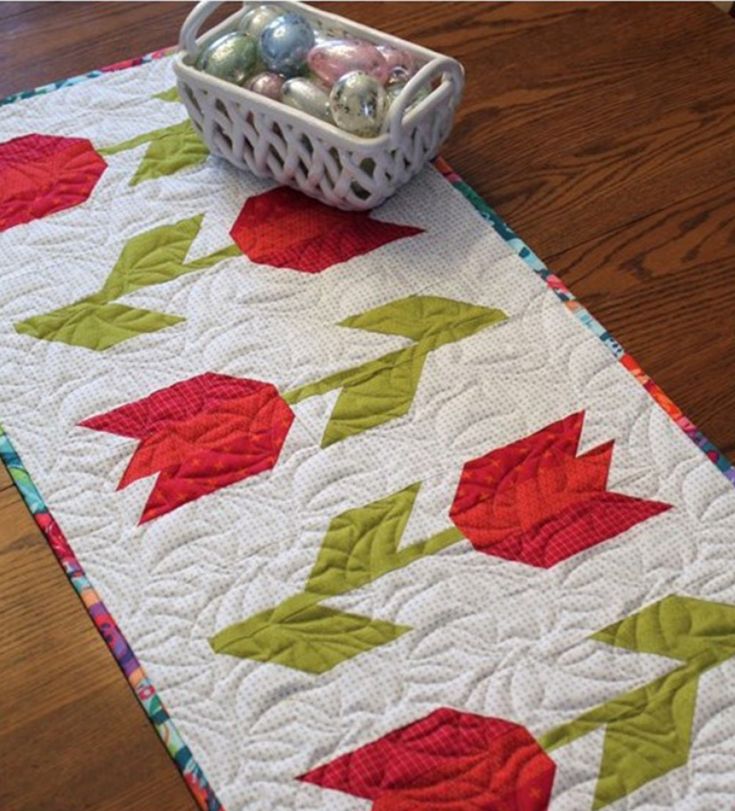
{"x": 331, "y": 60}
{"x": 400, "y": 63}
{"x": 266, "y": 84}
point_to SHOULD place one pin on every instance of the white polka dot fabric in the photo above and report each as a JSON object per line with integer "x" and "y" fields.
{"x": 490, "y": 636}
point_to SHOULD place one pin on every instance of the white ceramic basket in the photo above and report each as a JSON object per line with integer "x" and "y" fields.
{"x": 273, "y": 140}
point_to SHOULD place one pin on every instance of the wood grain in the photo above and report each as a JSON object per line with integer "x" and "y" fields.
{"x": 72, "y": 733}
{"x": 604, "y": 133}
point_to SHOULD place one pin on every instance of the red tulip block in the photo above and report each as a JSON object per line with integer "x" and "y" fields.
{"x": 42, "y": 174}
{"x": 535, "y": 501}
{"x": 199, "y": 435}
{"x": 449, "y": 760}
{"x": 285, "y": 229}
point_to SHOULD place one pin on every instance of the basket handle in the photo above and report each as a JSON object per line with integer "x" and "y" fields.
{"x": 441, "y": 65}
{"x": 192, "y": 24}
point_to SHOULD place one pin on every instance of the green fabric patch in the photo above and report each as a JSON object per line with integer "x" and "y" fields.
{"x": 426, "y": 318}
{"x": 172, "y": 94}
{"x": 650, "y": 736}
{"x": 360, "y": 545}
{"x": 170, "y": 149}
{"x": 648, "y": 730}
{"x": 378, "y": 392}
{"x": 314, "y": 639}
{"x": 382, "y": 390}
{"x": 153, "y": 257}
{"x": 681, "y": 628}
{"x": 95, "y": 326}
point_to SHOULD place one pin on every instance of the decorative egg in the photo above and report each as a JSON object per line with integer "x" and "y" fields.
{"x": 306, "y": 96}
{"x": 199, "y": 62}
{"x": 266, "y": 84}
{"x": 255, "y": 20}
{"x": 332, "y": 59}
{"x": 285, "y": 43}
{"x": 400, "y": 63}
{"x": 358, "y": 103}
{"x": 231, "y": 58}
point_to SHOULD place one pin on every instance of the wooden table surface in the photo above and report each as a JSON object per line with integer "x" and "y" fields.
{"x": 605, "y": 135}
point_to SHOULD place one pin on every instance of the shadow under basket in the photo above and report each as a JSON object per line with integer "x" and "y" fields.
{"x": 272, "y": 140}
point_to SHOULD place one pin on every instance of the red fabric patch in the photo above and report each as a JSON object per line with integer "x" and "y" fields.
{"x": 285, "y": 229}
{"x": 537, "y": 502}
{"x": 449, "y": 760}
{"x": 199, "y": 435}
{"x": 42, "y": 174}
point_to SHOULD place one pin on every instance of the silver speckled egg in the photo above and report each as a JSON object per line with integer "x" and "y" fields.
{"x": 285, "y": 42}
{"x": 358, "y": 103}
{"x": 306, "y": 96}
{"x": 255, "y": 20}
{"x": 231, "y": 58}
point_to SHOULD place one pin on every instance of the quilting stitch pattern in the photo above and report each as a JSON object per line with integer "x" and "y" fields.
{"x": 562, "y": 786}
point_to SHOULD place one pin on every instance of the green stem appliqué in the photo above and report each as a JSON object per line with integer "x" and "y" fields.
{"x": 170, "y": 149}
{"x": 100, "y": 321}
{"x": 648, "y": 729}
{"x": 383, "y": 389}
{"x": 360, "y": 546}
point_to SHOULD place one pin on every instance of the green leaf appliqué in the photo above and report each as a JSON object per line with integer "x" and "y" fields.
{"x": 172, "y": 94}
{"x": 360, "y": 545}
{"x": 170, "y": 149}
{"x": 153, "y": 257}
{"x": 313, "y": 639}
{"x": 98, "y": 322}
{"x": 648, "y": 730}
{"x": 384, "y": 389}
{"x": 95, "y": 326}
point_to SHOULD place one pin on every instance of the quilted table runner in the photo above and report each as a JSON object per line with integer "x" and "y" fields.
{"x": 370, "y": 511}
